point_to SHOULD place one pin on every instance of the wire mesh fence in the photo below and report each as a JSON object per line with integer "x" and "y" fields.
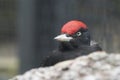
{"x": 34, "y": 23}
{"x": 7, "y": 19}
{"x": 8, "y": 59}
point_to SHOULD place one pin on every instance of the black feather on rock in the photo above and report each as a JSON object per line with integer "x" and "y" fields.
{"x": 72, "y": 45}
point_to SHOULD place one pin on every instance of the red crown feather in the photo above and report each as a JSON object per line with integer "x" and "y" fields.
{"x": 73, "y": 26}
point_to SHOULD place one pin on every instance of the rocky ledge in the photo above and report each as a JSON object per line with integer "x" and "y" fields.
{"x": 96, "y": 66}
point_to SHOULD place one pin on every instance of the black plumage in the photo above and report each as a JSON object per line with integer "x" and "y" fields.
{"x": 80, "y": 43}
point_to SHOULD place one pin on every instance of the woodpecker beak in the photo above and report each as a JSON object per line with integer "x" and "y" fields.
{"x": 63, "y": 38}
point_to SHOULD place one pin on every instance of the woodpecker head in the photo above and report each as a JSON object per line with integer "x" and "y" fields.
{"x": 75, "y": 32}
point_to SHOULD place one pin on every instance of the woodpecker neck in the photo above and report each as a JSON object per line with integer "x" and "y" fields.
{"x": 68, "y": 46}
{"x": 65, "y": 46}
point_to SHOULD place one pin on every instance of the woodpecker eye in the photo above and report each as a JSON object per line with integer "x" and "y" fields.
{"x": 78, "y": 33}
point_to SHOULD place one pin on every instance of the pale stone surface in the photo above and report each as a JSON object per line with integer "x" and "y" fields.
{"x": 96, "y": 66}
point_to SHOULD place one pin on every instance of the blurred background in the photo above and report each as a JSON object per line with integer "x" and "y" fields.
{"x": 27, "y": 29}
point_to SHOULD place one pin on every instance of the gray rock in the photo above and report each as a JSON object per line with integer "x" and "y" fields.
{"x": 96, "y": 66}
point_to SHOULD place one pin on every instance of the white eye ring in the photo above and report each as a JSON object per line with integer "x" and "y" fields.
{"x": 78, "y": 33}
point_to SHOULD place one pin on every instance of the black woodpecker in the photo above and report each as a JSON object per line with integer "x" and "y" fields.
{"x": 74, "y": 41}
